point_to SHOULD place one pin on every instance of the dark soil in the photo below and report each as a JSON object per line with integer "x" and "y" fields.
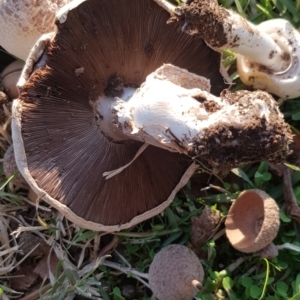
{"x": 225, "y": 145}
{"x": 204, "y": 19}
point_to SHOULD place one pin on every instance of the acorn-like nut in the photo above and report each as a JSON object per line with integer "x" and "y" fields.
{"x": 253, "y": 221}
{"x": 10, "y": 77}
{"x": 175, "y": 273}
{"x": 203, "y": 226}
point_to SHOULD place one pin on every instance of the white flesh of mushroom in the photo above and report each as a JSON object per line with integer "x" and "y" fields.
{"x": 164, "y": 111}
{"x": 282, "y": 78}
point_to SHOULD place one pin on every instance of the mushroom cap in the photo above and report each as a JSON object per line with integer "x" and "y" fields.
{"x": 23, "y": 22}
{"x": 60, "y": 148}
{"x": 253, "y": 221}
{"x": 10, "y": 76}
{"x": 172, "y": 271}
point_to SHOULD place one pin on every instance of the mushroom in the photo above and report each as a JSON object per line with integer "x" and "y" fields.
{"x": 112, "y": 109}
{"x": 175, "y": 273}
{"x": 10, "y": 76}
{"x": 269, "y": 53}
{"x": 23, "y": 22}
{"x": 253, "y": 221}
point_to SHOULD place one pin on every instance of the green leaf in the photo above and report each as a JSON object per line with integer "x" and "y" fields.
{"x": 295, "y": 168}
{"x": 240, "y": 9}
{"x": 171, "y": 218}
{"x": 8, "y": 180}
{"x": 296, "y": 116}
{"x": 282, "y": 265}
{"x": 290, "y": 5}
{"x": 103, "y": 293}
{"x": 284, "y": 217}
{"x": 171, "y": 239}
{"x": 239, "y": 172}
{"x": 227, "y": 283}
{"x": 72, "y": 276}
{"x": 158, "y": 227}
{"x": 83, "y": 235}
{"x": 62, "y": 293}
{"x": 282, "y": 288}
{"x": 266, "y": 176}
{"x": 260, "y": 177}
{"x": 7, "y": 289}
{"x": 246, "y": 281}
{"x": 290, "y": 233}
{"x": 82, "y": 291}
{"x": 117, "y": 294}
{"x": 224, "y": 273}
{"x": 297, "y": 285}
{"x": 267, "y": 13}
{"x": 255, "y": 291}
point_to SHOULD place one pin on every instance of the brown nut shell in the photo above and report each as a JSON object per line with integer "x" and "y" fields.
{"x": 253, "y": 221}
{"x": 203, "y": 226}
{"x": 175, "y": 273}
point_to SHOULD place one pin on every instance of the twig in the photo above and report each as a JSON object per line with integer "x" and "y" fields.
{"x": 109, "y": 246}
{"x": 292, "y": 207}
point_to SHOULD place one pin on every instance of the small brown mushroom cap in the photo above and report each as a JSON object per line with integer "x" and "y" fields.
{"x": 253, "y": 221}
{"x": 175, "y": 273}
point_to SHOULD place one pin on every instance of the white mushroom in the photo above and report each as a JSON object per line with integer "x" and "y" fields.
{"x": 101, "y": 101}
{"x": 165, "y": 112}
{"x": 280, "y": 74}
{"x": 23, "y": 22}
{"x": 269, "y": 53}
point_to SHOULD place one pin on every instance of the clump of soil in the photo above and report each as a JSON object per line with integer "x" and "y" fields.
{"x": 204, "y": 19}
{"x": 226, "y": 145}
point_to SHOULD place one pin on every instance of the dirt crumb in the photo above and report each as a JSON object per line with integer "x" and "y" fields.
{"x": 211, "y": 106}
{"x": 114, "y": 86}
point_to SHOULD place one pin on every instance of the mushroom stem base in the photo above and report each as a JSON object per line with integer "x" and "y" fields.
{"x": 221, "y": 133}
{"x": 224, "y": 29}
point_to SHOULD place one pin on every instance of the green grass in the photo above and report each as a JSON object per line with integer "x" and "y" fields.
{"x": 229, "y": 273}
